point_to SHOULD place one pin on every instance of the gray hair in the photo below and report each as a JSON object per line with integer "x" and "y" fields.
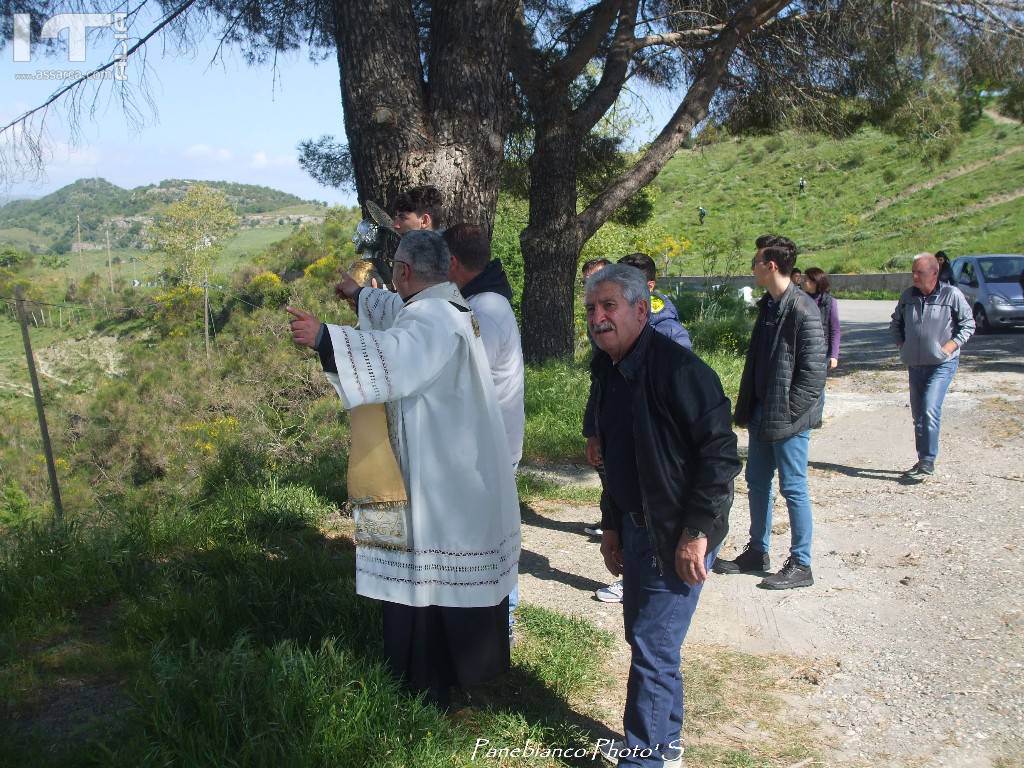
{"x": 426, "y": 253}
{"x": 631, "y": 280}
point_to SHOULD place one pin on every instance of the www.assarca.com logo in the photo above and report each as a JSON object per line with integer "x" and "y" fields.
{"x": 77, "y": 26}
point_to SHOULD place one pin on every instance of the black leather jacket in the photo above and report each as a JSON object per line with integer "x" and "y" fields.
{"x": 685, "y": 447}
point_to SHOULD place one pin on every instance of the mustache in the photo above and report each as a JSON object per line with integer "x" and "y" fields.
{"x": 602, "y": 327}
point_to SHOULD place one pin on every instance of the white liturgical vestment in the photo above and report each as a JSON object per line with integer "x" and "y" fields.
{"x": 424, "y": 359}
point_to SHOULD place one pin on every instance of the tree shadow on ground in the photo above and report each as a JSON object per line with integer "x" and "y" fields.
{"x": 532, "y": 517}
{"x": 540, "y": 567}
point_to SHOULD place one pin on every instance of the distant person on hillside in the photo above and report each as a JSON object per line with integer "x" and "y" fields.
{"x": 701, "y": 213}
{"x": 418, "y": 208}
{"x": 817, "y": 285}
{"x": 803, "y": 184}
{"x": 945, "y": 270}
{"x": 931, "y": 323}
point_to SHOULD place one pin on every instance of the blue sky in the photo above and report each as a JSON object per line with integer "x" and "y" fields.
{"x": 223, "y": 121}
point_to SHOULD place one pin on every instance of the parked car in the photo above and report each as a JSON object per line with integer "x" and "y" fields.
{"x": 993, "y": 284}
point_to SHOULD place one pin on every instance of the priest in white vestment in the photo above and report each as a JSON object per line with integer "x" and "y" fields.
{"x": 443, "y": 555}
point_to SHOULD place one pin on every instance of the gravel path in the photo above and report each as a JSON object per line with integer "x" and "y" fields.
{"x": 915, "y": 625}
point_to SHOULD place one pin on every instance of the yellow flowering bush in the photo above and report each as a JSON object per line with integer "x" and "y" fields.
{"x": 325, "y": 268}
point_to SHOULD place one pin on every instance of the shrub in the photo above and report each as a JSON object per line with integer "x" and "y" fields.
{"x": 324, "y": 269}
{"x": 15, "y": 506}
{"x": 897, "y": 264}
{"x": 888, "y": 175}
{"x": 774, "y": 144}
{"x": 266, "y": 290}
{"x": 855, "y": 160}
{"x": 1012, "y": 103}
{"x": 179, "y": 310}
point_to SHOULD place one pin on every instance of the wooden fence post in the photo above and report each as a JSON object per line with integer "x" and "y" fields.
{"x": 51, "y": 468}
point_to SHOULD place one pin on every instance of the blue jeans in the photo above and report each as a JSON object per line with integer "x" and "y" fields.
{"x": 928, "y": 385}
{"x": 789, "y": 456}
{"x": 656, "y": 609}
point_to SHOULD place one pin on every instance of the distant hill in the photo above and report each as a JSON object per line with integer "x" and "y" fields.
{"x": 870, "y": 202}
{"x": 54, "y": 219}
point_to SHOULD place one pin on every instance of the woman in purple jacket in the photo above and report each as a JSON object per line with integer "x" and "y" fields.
{"x": 816, "y": 283}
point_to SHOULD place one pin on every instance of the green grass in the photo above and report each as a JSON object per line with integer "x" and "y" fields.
{"x": 232, "y": 635}
{"x": 248, "y": 243}
{"x": 556, "y": 396}
{"x": 749, "y": 190}
{"x": 24, "y": 239}
{"x": 536, "y": 488}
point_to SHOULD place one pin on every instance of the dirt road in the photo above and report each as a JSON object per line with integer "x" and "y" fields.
{"x": 916, "y": 615}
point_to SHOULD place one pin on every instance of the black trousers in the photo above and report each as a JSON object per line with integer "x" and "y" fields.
{"x": 434, "y": 648}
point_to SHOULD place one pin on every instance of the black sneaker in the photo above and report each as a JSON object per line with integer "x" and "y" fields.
{"x": 750, "y": 561}
{"x": 918, "y": 473}
{"x": 791, "y": 576}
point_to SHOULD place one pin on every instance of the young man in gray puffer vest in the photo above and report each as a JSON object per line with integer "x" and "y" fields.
{"x": 783, "y": 380}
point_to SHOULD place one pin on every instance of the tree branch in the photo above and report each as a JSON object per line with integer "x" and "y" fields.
{"x": 56, "y": 95}
{"x": 691, "y": 111}
{"x": 526, "y": 62}
{"x": 616, "y": 67}
{"x": 569, "y": 68}
{"x": 682, "y": 38}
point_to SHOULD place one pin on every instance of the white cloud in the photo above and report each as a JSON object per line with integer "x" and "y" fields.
{"x": 261, "y": 160}
{"x": 206, "y": 152}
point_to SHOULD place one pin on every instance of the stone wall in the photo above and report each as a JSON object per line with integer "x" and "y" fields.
{"x": 880, "y": 281}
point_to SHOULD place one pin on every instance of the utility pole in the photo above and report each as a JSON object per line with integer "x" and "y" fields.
{"x": 110, "y": 272}
{"x": 206, "y": 314}
{"x": 58, "y": 508}
{"x": 81, "y": 264}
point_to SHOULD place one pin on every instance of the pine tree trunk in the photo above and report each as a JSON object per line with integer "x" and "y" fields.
{"x": 407, "y": 127}
{"x": 551, "y": 243}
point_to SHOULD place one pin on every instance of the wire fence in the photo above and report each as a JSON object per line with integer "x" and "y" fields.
{"x": 66, "y": 314}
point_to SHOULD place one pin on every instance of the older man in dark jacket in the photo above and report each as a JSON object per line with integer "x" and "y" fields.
{"x": 669, "y": 454}
{"x": 783, "y": 380}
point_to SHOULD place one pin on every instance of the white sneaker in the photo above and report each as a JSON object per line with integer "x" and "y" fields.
{"x": 610, "y": 594}
{"x": 593, "y": 530}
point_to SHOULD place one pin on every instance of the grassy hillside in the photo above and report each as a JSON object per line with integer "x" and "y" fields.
{"x": 870, "y": 202}
{"x": 52, "y": 221}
